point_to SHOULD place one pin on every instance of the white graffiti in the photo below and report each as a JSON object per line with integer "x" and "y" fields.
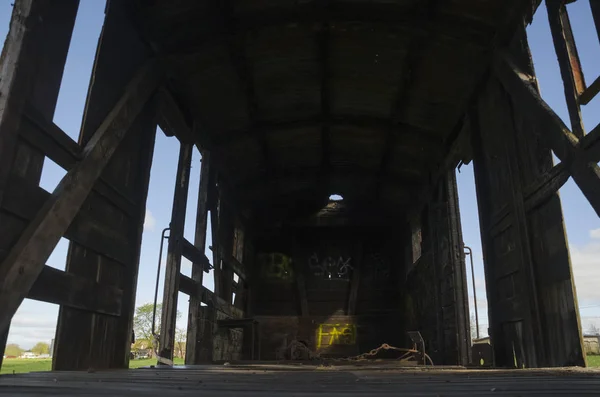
{"x": 329, "y": 268}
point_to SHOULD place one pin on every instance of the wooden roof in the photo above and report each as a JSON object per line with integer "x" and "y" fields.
{"x": 301, "y": 98}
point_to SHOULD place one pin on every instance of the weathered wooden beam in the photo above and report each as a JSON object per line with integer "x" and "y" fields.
{"x": 591, "y": 145}
{"x": 522, "y": 246}
{"x": 301, "y": 175}
{"x": 25, "y": 200}
{"x": 568, "y": 60}
{"x": 595, "y": 7}
{"x": 17, "y": 68}
{"x": 397, "y": 16}
{"x": 225, "y": 236}
{"x": 189, "y": 286}
{"x": 300, "y": 283}
{"x": 546, "y": 186}
{"x": 242, "y": 65}
{"x": 192, "y": 288}
{"x": 62, "y": 288}
{"x": 25, "y": 261}
{"x": 484, "y": 206}
{"x": 193, "y": 253}
{"x": 413, "y": 135}
{"x": 235, "y": 266}
{"x": 562, "y": 141}
{"x": 64, "y": 151}
{"x": 355, "y": 281}
{"x": 454, "y": 154}
{"x": 171, "y": 119}
{"x": 590, "y": 92}
{"x": 535, "y": 195}
{"x": 174, "y": 251}
{"x": 425, "y": 13}
{"x": 50, "y": 139}
{"x": 324, "y": 55}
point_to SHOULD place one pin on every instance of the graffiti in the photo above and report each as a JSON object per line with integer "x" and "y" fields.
{"x": 276, "y": 266}
{"x": 336, "y": 334}
{"x": 329, "y": 268}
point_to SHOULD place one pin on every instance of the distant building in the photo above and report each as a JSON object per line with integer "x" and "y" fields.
{"x": 29, "y": 355}
{"x": 591, "y": 344}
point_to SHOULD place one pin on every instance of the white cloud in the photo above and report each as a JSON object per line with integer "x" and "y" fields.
{"x": 595, "y": 233}
{"x": 586, "y": 269}
{"x": 33, "y": 322}
{"x": 149, "y": 221}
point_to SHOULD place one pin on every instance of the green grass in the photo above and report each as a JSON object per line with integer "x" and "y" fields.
{"x": 23, "y": 365}
{"x": 593, "y": 361}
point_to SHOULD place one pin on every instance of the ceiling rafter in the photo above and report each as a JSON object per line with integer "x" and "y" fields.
{"x": 323, "y": 45}
{"x": 409, "y": 179}
{"x": 396, "y": 16}
{"x": 424, "y": 15}
{"x": 237, "y": 47}
{"x": 362, "y": 121}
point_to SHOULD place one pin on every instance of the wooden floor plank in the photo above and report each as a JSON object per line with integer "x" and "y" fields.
{"x": 304, "y": 380}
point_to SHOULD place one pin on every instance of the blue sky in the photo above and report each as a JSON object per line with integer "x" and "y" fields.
{"x": 36, "y": 321}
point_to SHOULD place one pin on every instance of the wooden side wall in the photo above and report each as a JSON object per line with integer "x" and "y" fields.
{"x": 531, "y": 297}
{"x": 85, "y": 339}
{"x": 31, "y": 66}
{"x": 436, "y": 300}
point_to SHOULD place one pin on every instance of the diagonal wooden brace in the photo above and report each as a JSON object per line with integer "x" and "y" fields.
{"x": 566, "y": 146}
{"x": 26, "y": 259}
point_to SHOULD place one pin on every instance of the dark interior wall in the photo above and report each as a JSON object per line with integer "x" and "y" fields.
{"x": 349, "y": 278}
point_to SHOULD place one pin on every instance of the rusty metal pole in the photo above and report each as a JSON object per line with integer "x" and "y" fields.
{"x": 470, "y": 253}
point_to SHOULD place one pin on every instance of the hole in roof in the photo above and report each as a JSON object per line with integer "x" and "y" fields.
{"x": 336, "y": 197}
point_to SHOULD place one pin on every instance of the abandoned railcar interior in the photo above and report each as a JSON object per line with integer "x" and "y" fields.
{"x": 329, "y": 132}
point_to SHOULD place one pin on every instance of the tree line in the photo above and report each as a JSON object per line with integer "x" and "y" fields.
{"x": 14, "y": 350}
{"x": 142, "y": 328}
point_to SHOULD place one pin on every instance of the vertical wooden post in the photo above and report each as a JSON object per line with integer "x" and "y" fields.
{"x": 482, "y": 185}
{"x": 300, "y": 279}
{"x": 457, "y": 260}
{"x": 173, "y": 267}
{"x": 223, "y": 273}
{"x": 595, "y": 6}
{"x": 193, "y": 345}
{"x": 355, "y": 281}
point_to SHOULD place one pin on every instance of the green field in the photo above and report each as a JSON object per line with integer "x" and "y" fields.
{"x": 18, "y": 365}
{"x": 33, "y": 365}
{"x": 593, "y": 361}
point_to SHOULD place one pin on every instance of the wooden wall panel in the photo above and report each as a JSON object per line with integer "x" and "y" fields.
{"x": 93, "y": 340}
{"x": 436, "y": 300}
{"x": 534, "y": 319}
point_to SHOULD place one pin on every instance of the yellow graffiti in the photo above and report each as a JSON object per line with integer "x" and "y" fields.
{"x": 336, "y": 334}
